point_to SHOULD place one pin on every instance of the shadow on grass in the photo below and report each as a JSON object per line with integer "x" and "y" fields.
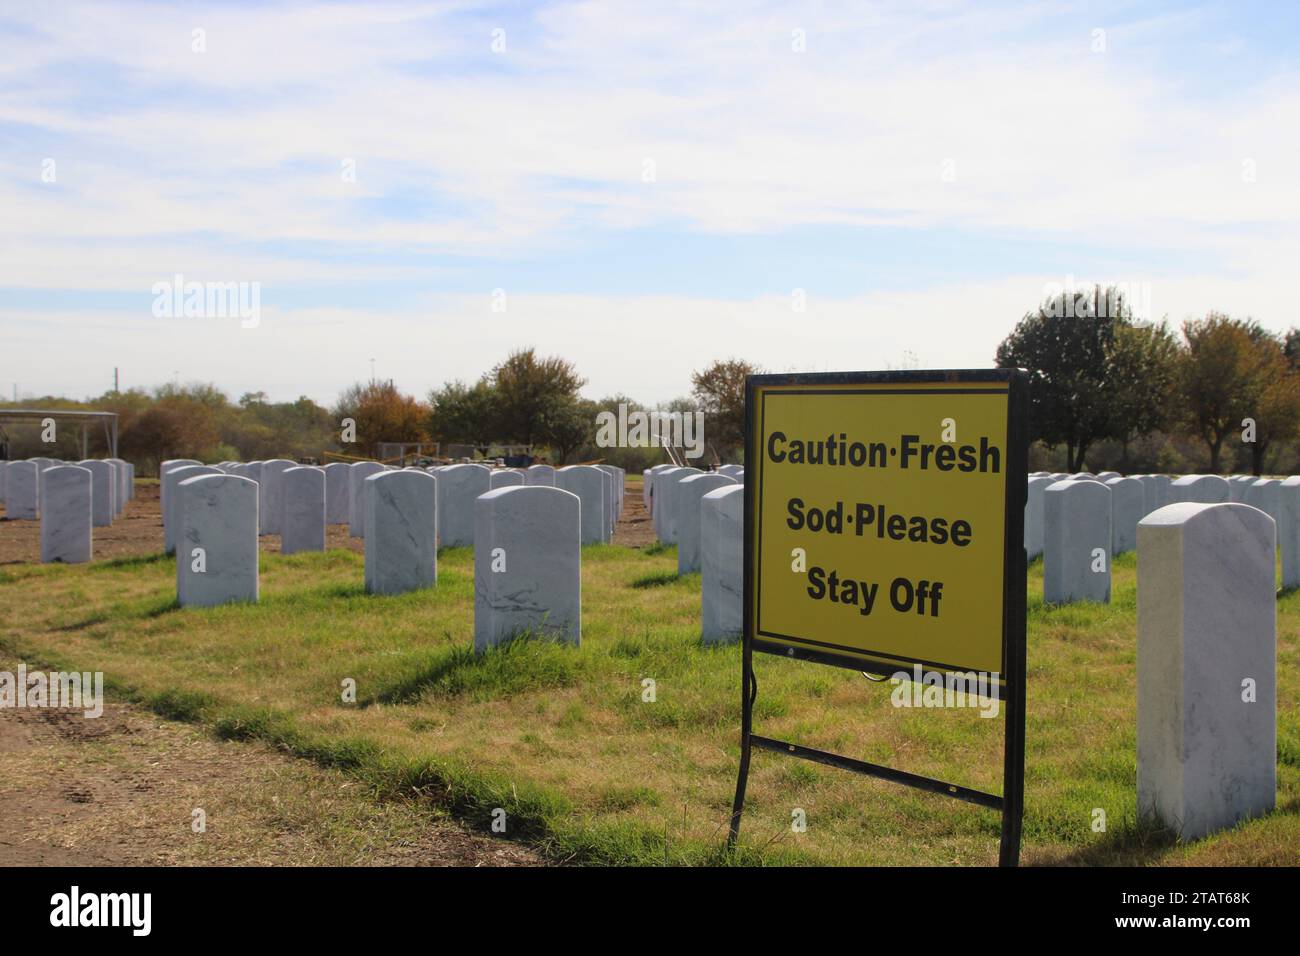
{"x": 1130, "y": 844}
{"x": 660, "y": 548}
{"x": 344, "y": 589}
{"x": 137, "y": 561}
{"x": 82, "y": 624}
{"x": 162, "y": 608}
{"x": 714, "y": 645}
{"x": 529, "y": 662}
{"x": 655, "y": 579}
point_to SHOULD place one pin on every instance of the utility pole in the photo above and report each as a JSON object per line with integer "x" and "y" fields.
{"x": 115, "y": 388}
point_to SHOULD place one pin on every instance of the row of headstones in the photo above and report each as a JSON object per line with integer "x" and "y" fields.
{"x": 527, "y": 534}
{"x": 69, "y": 498}
{"x": 1078, "y": 522}
{"x": 298, "y": 501}
{"x": 703, "y": 513}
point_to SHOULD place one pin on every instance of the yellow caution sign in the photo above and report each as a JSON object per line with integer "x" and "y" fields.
{"x": 879, "y": 519}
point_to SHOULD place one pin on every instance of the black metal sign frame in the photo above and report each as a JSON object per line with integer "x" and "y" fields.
{"x": 1011, "y": 801}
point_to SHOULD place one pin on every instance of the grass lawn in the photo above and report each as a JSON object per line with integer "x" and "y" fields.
{"x": 587, "y": 771}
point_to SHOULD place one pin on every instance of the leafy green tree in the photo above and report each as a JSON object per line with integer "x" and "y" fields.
{"x": 534, "y": 397}
{"x": 1143, "y": 380}
{"x": 463, "y": 413}
{"x": 261, "y": 429}
{"x": 1223, "y": 376}
{"x": 719, "y": 391}
{"x": 1066, "y": 347}
{"x": 1277, "y": 411}
{"x": 570, "y": 427}
{"x": 1291, "y": 347}
{"x": 635, "y": 458}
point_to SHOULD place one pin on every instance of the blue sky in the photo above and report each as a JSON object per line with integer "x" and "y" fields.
{"x": 642, "y": 188}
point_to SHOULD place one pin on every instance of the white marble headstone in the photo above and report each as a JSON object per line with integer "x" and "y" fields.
{"x": 358, "y": 472}
{"x": 1034, "y": 515}
{"x": 1237, "y": 485}
{"x": 171, "y": 511}
{"x": 272, "y": 494}
{"x": 1204, "y": 489}
{"x": 666, "y": 490}
{"x": 66, "y": 519}
{"x": 401, "y": 531}
{"x": 216, "y": 544}
{"x": 1207, "y": 667}
{"x": 1150, "y": 493}
{"x": 506, "y": 478}
{"x": 22, "y": 491}
{"x": 163, "y": 468}
{"x": 540, "y": 475}
{"x": 686, "y": 498}
{"x": 458, "y": 486}
{"x": 658, "y": 508}
{"x": 527, "y": 565}
{"x": 1076, "y": 542}
{"x": 302, "y": 526}
{"x": 337, "y": 498}
{"x": 253, "y": 471}
{"x": 588, "y": 483}
{"x": 1264, "y": 494}
{"x": 103, "y": 491}
{"x": 122, "y": 490}
{"x": 1127, "y": 503}
{"x": 722, "y": 572}
{"x": 1288, "y": 530}
{"x": 611, "y": 499}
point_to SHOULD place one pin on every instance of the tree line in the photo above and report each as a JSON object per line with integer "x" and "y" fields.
{"x": 1218, "y": 394}
{"x": 1107, "y": 392}
{"x": 527, "y": 401}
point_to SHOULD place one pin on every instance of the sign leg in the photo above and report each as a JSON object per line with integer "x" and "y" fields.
{"x": 748, "y": 691}
{"x": 1013, "y": 777}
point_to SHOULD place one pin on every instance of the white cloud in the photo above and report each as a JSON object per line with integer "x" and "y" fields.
{"x": 1043, "y": 136}
{"x": 171, "y": 161}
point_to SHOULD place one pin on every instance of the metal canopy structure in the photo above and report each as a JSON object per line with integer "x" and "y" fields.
{"x": 84, "y": 420}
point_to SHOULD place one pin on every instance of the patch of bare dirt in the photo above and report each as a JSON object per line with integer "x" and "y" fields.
{"x": 122, "y": 789}
{"x": 634, "y": 529}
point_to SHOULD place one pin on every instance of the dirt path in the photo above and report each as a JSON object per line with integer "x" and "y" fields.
{"x": 634, "y": 529}
{"x": 138, "y": 531}
{"x": 122, "y": 789}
